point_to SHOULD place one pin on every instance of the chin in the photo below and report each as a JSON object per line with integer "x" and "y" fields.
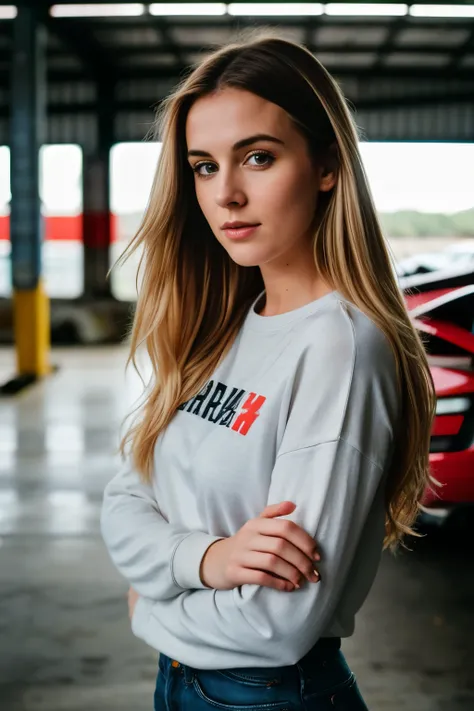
{"x": 249, "y": 257}
{"x": 244, "y": 260}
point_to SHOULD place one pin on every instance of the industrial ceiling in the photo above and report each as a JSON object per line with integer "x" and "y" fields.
{"x": 386, "y": 56}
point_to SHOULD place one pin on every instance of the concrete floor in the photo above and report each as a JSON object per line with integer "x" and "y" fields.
{"x": 65, "y": 643}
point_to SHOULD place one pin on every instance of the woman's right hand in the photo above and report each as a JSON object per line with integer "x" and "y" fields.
{"x": 266, "y": 551}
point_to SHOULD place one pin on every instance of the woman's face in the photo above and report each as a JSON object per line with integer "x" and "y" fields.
{"x": 252, "y": 168}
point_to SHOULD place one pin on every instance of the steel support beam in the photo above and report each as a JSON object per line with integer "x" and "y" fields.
{"x": 27, "y": 134}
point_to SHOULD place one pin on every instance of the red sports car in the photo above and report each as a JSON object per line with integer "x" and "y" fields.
{"x": 442, "y": 306}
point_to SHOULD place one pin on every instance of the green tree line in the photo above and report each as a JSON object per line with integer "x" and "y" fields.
{"x": 409, "y": 223}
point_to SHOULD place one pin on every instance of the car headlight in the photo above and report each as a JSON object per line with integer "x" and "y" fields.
{"x": 452, "y": 405}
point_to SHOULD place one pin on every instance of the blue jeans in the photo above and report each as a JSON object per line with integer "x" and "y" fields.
{"x": 321, "y": 681}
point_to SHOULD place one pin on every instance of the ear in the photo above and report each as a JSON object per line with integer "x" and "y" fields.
{"x": 329, "y": 170}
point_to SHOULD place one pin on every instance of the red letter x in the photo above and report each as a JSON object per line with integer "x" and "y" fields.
{"x": 250, "y": 412}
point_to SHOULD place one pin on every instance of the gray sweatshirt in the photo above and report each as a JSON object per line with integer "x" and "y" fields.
{"x": 304, "y": 407}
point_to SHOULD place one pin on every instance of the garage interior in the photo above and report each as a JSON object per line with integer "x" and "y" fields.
{"x": 94, "y": 77}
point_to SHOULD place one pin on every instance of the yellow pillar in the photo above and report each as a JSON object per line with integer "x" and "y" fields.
{"x": 31, "y": 314}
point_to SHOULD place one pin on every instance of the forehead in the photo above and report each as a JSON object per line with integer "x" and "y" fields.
{"x": 224, "y": 117}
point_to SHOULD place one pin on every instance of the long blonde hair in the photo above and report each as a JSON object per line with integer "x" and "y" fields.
{"x": 193, "y": 298}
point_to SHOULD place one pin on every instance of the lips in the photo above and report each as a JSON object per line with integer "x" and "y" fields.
{"x": 237, "y": 225}
{"x": 239, "y": 230}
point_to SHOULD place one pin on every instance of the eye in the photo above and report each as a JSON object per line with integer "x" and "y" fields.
{"x": 204, "y": 169}
{"x": 261, "y": 159}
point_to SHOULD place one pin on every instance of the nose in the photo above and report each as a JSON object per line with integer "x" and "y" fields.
{"x": 229, "y": 191}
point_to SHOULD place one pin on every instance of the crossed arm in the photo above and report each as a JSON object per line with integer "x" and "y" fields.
{"x": 333, "y": 485}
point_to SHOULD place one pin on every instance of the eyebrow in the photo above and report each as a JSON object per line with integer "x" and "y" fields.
{"x": 241, "y": 144}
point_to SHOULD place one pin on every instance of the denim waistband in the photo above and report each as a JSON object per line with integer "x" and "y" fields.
{"x": 325, "y": 648}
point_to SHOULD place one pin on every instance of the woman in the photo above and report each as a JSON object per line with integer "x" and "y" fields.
{"x": 291, "y": 402}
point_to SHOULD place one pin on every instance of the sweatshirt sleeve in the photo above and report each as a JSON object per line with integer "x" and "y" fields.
{"x": 158, "y": 559}
{"x": 333, "y": 485}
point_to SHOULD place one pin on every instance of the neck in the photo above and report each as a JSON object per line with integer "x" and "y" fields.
{"x": 290, "y": 285}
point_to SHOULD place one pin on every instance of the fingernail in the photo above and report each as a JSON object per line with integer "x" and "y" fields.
{"x": 316, "y": 574}
{"x": 317, "y": 556}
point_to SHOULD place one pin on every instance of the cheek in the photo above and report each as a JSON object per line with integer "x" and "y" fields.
{"x": 204, "y": 198}
{"x": 290, "y": 197}
{"x": 206, "y": 201}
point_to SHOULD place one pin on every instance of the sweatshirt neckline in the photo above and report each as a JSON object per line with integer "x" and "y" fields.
{"x": 274, "y": 323}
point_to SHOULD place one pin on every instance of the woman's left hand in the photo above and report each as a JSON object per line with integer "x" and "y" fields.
{"x": 132, "y": 601}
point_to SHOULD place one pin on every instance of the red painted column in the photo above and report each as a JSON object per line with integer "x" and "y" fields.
{"x": 97, "y": 224}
